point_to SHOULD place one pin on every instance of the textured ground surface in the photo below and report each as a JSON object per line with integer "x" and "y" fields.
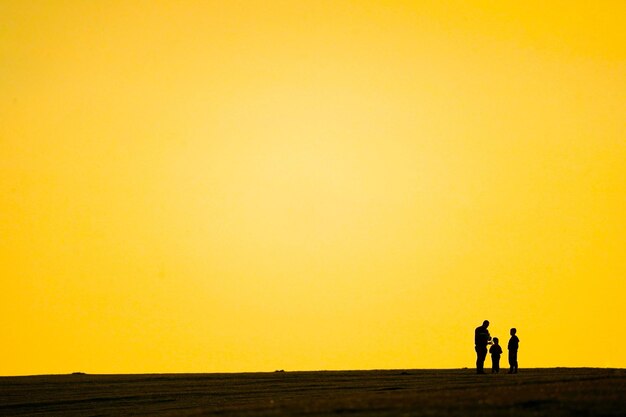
{"x": 532, "y": 392}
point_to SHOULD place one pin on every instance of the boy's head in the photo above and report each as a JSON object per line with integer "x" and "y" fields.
{"x": 513, "y": 331}
{"x": 495, "y": 340}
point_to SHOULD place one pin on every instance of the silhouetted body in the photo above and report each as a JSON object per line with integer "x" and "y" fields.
{"x": 495, "y": 350}
{"x": 513, "y": 347}
{"x": 481, "y": 340}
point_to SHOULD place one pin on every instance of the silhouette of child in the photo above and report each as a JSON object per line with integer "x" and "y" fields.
{"x": 513, "y": 346}
{"x": 496, "y": 351}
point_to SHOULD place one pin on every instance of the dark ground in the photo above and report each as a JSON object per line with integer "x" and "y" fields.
{"x": 532, "y": 392}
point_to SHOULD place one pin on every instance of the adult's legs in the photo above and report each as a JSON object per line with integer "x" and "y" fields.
{"x": 481, "y": 354}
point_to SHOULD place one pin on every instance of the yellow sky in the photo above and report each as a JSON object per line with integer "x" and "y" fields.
{"x": 204, "y": 186}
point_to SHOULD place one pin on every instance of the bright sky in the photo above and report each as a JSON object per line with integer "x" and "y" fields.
{"x": 217, "y": 186}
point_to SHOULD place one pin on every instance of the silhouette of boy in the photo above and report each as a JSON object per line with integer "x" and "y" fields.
{"x": 513, "y": 346}
{"x": 496, "y": 351}
{"x": 481, "y": 340}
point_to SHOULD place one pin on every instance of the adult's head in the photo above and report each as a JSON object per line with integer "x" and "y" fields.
{"x": 513, "y": 331}
{"x": 486, "y": 324}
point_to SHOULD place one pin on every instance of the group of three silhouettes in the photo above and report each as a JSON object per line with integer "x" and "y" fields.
{"x": 482, "y": 339}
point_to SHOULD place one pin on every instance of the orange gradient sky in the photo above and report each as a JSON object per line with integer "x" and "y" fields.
{"x": 221, "y": 186}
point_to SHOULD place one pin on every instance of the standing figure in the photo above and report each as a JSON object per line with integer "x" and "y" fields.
{"x": 513, "y": 346}
{"x": 496, "y": 351}
{"x": 481, "y": 340}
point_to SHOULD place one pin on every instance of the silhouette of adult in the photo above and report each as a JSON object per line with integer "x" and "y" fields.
{"x": 481, "y": 340}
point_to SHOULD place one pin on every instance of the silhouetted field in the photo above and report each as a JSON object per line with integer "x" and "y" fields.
{"x": 532, "y": 392}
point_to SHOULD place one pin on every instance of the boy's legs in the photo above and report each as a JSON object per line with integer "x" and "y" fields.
{"x": 513, "y": 361}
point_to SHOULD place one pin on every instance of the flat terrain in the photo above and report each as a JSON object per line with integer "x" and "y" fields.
{"x": 532, "y": 392}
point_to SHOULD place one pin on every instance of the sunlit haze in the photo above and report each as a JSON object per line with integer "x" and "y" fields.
{"x": 225, "y": 186}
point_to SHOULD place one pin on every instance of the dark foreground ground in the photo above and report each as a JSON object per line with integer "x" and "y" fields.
{"x": 532, "y": 392}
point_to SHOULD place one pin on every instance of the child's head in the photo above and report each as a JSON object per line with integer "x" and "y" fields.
{"x": 495, "y": 340}
{"x": 513, "y": 331}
